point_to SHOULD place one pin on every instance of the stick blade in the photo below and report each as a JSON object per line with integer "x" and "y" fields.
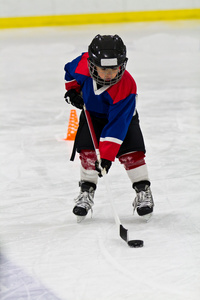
{"x": 123, "y": 232}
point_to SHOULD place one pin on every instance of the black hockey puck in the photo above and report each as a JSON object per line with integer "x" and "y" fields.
{"x": 136, "y": 243}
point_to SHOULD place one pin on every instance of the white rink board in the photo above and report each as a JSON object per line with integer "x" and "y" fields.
{"x": 20, "y": 8}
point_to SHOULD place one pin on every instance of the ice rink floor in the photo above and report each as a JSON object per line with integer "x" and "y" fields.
{"x": 45, "y": 254}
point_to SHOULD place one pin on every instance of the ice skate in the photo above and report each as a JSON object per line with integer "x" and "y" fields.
{"x": 143, "y": 201}
{"x": 84, "y": 201}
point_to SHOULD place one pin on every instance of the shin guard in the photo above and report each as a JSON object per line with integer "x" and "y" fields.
{"x": 88, "y": 172}
{"x": 135, "y": 165}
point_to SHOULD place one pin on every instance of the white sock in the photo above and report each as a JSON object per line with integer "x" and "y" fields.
{"x": 138, "y": 174}
{"x": 88, "y": 175}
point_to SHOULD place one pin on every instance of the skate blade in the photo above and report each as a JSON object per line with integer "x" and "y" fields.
{"x": 147, "y": 217}
{"x": 79, "y": 219}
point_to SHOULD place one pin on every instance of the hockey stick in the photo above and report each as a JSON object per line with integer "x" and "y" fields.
{"x": 123, "y": 232}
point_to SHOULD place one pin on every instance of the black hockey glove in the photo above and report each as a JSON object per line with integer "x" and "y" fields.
{"x": 103, "y": 164}
{"x": 74, "y": 98}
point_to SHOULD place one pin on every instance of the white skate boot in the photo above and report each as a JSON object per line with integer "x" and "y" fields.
{"x": 143, "y": 201}
{"x": 84, "y": 201}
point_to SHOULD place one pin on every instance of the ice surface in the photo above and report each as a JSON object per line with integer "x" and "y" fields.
{"x": 39, "y": 235}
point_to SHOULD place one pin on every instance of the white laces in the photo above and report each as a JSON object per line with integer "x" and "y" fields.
{"x": 85, "y": 200}
{"x": 143, "y": 199}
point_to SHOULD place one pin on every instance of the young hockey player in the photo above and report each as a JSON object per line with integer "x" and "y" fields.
{"x": 98, "y": 79}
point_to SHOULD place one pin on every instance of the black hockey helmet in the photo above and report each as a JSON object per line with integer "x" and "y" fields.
{"x": 107, "y": 51}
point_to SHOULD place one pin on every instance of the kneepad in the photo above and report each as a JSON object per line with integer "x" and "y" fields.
{"x": 132, "y": 160}
{"x": 88, "y": 159}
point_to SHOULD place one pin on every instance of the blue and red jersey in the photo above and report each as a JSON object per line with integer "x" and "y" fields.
{"x": 117, "y": 103}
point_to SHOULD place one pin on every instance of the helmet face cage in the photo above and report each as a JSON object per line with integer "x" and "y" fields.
{"x": 107, "y": 51}
{"x": 94, "y": 74}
